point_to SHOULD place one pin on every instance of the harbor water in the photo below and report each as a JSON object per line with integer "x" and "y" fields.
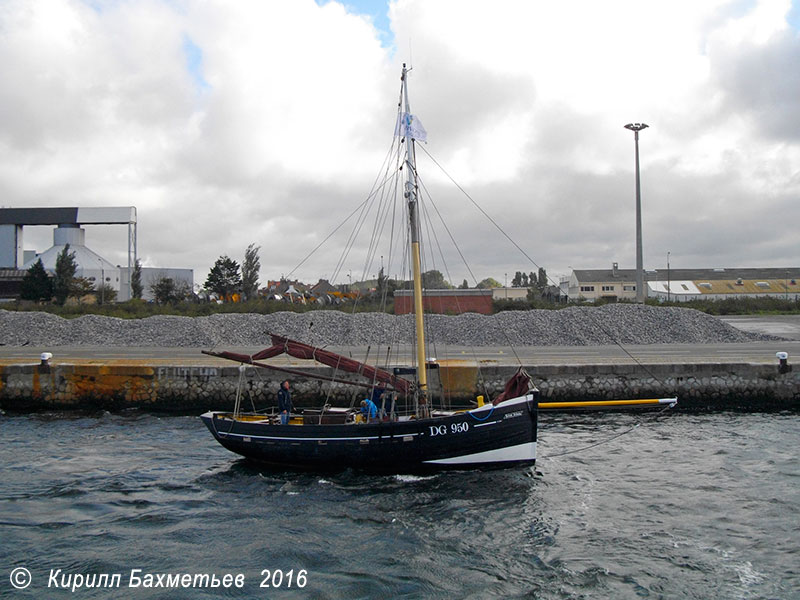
{"x": 619, "y": 506}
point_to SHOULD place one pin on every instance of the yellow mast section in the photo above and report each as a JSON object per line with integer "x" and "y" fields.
{"x": 422, "y": 375}
{"x": 411, "y": 196}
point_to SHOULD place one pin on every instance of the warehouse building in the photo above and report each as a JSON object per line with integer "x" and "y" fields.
{"x": 682, "y": 285}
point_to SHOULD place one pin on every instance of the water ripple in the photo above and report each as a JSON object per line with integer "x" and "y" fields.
{"x": 693, "y": 506}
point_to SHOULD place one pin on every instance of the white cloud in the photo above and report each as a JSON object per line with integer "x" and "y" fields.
{"x": 266, "y": 122}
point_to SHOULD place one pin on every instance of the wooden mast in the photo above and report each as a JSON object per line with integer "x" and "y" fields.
{"x": 411, "y": 197}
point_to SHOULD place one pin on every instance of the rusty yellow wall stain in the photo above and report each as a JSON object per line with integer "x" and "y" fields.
{"x": 131, "y": 382}
{"x": 458, "y": 377}
{"x": 36, "y": 385}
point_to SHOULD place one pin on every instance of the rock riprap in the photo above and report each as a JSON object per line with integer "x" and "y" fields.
{"x": 575, "y": 326}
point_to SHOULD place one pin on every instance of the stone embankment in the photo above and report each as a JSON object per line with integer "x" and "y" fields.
{"x": 196, "y": 388}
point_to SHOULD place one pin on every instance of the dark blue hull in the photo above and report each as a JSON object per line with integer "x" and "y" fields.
{"x": 489, "y": 436}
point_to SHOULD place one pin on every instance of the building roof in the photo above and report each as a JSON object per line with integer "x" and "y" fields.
{"x": 750, "y": 287}
{"x": 91, "y": 215}
{"x": 728, "y": 274}
{"x": 629, "y": 275}
{"x": 323, "y": 286}
{"x": 84, "y": 259}
{"x": 585, "y": 275}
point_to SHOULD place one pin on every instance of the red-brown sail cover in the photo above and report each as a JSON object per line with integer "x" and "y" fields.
{"x": 281, "y": 345}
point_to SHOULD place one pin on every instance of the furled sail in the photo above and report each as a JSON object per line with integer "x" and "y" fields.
{"x": 283, "y": 345}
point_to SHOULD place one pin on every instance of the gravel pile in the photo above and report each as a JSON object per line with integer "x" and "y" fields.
{"x": 577, "y": 326}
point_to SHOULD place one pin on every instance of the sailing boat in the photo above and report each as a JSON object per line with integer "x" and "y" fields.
{"x": 501, "y": 432}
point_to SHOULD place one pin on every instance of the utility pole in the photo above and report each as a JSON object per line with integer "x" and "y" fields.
{"x": 640, "y": 295}
{"x": 102, "y": 282}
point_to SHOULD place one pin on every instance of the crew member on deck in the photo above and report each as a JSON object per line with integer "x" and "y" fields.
{"x": 369, "y": 411}
{"x": 285, "y": 402}
{"x": 378, "y": 399}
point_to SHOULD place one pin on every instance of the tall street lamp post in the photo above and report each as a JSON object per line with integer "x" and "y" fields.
{"x": 636, "y": 128}
{"x": 669, "y": 282}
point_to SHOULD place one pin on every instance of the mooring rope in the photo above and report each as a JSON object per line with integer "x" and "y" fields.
{"x": 610, "y": 439}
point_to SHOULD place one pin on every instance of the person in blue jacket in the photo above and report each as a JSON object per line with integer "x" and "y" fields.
{"x": 368, "y": 410}
{"x": 285, "y": 402}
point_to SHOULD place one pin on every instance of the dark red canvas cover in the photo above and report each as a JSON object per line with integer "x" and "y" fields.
{"x": 519, "y": 385}
{"x": 281, "y": 345}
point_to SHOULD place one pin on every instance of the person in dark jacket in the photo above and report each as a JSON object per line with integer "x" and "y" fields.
{"x": 285, "y": 402}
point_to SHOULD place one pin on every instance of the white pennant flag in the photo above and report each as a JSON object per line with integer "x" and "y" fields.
{"x": 410, "y": 126}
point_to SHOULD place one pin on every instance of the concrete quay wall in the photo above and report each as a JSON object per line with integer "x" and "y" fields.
{"x": 192, "y": 389}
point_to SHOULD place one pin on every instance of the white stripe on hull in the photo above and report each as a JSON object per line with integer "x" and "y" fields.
{"x": 508, "y": 403}
{"x": 526, "y": 451}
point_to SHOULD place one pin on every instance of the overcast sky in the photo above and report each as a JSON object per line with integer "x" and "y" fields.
{"x": 266, "y": 121}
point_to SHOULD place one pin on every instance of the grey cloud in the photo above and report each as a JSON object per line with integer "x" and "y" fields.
{"x": 762, "y": 81}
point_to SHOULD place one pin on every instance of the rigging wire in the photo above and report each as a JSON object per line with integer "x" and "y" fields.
{"x": 533, "y": 262}
{"x": 458, "y": 249}
{"x": 431, "y": 232}
{"x": 429, "y": 331}
{"x": 501, "y": 327}
{"x": 478, "y": 206}
{"x": 378, "y": 199}
{"x": 361, "y": 220}
{"x": 386, "y": 213}
{"x": 328, "y": 237}
{"x": 466, "y": 265}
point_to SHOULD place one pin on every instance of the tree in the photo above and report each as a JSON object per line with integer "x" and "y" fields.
{"x": 517, "y": 281}
{"x": 105, "y": 293}
{"x": 166, "y": 290}
{"x": 80, "y": 287}
{"x": 541, "y": 281}
{"x": 392, "y": 285}
{"x": 224, "y": 279}
{"x": 434, "y": 280}
{"x": 381, "y": 283}
{"x": 136, "y": 280}
{"x": 464, "y": 285}
{"x": 251, "y": 268}
{"x": 65, "y": 274}
{"x": 36, "y": 285}
{"x": 489, "y": 282}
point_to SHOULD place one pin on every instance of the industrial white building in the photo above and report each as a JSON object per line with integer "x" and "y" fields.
{"x": 69, "y": 230}
{"x": 69, "y": 222}
{"x": 90, "y": 265}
